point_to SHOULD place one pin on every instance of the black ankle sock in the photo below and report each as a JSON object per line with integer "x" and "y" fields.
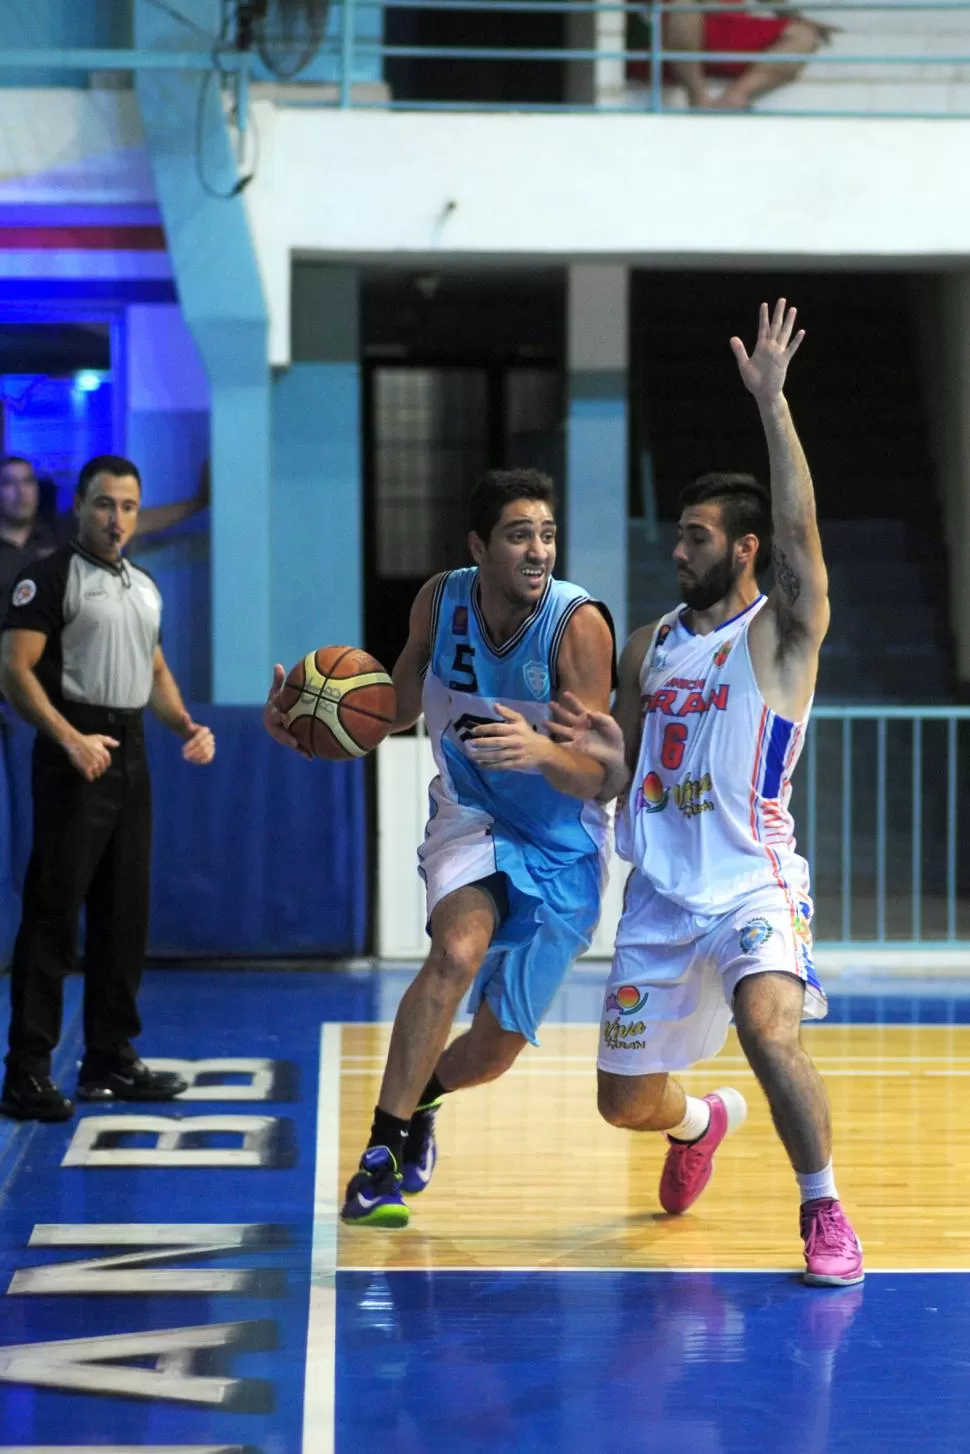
{"x": 432, "y": 1092}
{"x": 389, "y": 1131}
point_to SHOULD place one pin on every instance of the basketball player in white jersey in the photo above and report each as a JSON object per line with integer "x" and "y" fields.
{"x": 710, "y": 716}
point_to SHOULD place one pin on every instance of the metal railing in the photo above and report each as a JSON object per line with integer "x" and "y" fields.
{"x": 356, "y": 66}
{"x": 605, "y": 22}
{"x": 878, "y": 801}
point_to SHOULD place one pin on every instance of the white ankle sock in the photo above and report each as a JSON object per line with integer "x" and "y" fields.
{"x": 697, "y": 1118}
{"x": 815, "y": 1184}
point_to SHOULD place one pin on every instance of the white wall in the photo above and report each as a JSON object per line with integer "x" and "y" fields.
{"x": 671, "y": 189}
{"x": 62, "y": 146}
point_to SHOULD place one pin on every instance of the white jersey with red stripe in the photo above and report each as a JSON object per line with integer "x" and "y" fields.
{"x": 706, "y": 820}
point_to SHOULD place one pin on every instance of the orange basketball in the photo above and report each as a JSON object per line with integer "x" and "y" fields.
{"x": 338, "y": 702}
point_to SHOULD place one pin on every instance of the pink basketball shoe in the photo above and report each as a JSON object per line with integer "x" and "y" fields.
{"x": 689, "y": 1164}
{"x": 833, "y": 1252}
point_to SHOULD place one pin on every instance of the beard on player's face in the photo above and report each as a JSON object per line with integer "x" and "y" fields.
{"x": 703, "y": 590}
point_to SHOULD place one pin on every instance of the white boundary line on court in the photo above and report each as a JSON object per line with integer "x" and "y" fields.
{"x": 321, "y": 1342}
{"x": 824, "y": 1027}
{"x": 790, "y": 1272}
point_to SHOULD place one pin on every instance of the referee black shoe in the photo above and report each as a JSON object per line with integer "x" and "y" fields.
{"x": 133, "y": 1081}
{"x": 28, "y": 1097}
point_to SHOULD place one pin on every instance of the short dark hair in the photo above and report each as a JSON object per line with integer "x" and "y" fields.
{"x": 745, "y": 508}
{"x": 498, "y": 488}
{"x": 17, "y": 459}
{"x": 105, "y": 464}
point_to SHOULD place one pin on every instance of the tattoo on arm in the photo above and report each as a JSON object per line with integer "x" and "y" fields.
{"x": 786, "y": 577}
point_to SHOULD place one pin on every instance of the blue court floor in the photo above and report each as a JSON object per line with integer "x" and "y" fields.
{"x": 171, "y": 1278}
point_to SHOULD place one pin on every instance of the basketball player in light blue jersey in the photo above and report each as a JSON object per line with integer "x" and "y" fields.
{"x": 514, "y": 854}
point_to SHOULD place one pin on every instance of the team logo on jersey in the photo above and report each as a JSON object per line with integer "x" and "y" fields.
{"x": 684, "y": 696}
{"x": 753, "y": 935}
{"x": 652, "y": 796}
{"x": 627, "y": 999}
{"x": 24, "y": 593}
{"x": 536, "y": 675}
{"x": 689, "y": 795}
{"x": 722, "y": 653}
{"x": 659, "y": 655}
{"x": 459, "y": 621}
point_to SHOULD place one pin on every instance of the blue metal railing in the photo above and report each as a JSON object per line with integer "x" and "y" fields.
{"x": 657, "y": 57}
{"x": 878, "y": 806}
{"x": 354, "y": 56}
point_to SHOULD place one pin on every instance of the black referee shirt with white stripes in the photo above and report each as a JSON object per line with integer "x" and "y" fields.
{"x": 102, "y": 621}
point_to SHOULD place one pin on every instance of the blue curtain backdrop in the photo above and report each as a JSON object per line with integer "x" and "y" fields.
{"x": 258, "y": 855}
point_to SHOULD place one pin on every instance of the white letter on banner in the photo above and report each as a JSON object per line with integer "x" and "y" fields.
{"x": 140, "y": 1272}
{"x": 260, "y": 1086}
{"x": 93, "y": 1142}
{"x": 98, "y": 1365}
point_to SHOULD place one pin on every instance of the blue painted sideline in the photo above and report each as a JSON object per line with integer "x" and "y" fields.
{"x": 16, "y": 1136}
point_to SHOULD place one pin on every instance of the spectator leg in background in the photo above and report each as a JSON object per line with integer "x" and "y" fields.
{"x": 684, "y": 30}
{"x": 800, "y": 38}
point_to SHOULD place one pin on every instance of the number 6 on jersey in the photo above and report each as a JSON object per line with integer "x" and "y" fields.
{"x": 673, "y": 745}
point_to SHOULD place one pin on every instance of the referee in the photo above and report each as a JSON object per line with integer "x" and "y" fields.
{"x": 80, "y": 660}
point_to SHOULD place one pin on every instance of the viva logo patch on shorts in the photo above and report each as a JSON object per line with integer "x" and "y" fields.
{"x": 620, "y": 1030}
{"x": 626, "y": 999}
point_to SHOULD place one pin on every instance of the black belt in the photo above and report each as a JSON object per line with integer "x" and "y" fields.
{"x": 108, "y": 720}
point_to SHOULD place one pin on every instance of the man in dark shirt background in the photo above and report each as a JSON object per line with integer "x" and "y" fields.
{"x": 24, "y": 535}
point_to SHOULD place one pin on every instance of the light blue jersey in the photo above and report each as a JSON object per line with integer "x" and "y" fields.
{"x": 552, "y": 848}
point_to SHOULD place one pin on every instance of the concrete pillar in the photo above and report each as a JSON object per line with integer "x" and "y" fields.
{"x": 597, "y": 434}
{"x": 600, "y": 82}
{"x": 221, "y": 294}
{"x": 317, "y": 525}
{"x": 167, "y": 417}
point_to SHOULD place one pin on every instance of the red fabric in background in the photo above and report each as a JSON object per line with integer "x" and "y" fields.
{"x": 732, "y": 32}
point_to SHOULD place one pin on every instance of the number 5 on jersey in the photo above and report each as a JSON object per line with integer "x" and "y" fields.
{"x": 463, "y": 678}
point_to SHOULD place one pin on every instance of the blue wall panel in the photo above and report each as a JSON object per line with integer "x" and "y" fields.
{"x": 596, "y": 472}
{"x": 317, "y": 546}
{"x": 260, "y": 854}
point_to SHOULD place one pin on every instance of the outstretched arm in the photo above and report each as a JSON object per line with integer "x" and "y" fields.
{"x": 799, "y": 601}
{"x": 614, "y": 741}
{"x": 154, "y": 519}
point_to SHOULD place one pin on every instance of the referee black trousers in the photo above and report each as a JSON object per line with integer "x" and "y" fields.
{"x": 91, "y": 847}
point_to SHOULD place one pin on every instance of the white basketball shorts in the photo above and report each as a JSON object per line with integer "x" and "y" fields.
{"x": 668, "y": 1005}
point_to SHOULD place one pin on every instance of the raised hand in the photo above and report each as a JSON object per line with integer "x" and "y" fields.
{"x": 763, "y": 374}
